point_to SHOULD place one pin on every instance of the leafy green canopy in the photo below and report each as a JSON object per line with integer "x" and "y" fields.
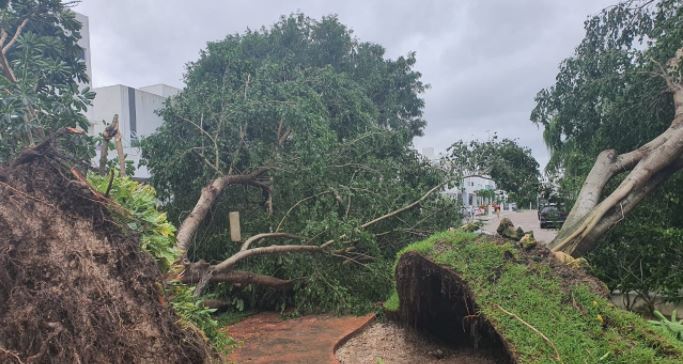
{"x": 583, "y": 327}
{"x": 512, "y": 166}
{"x": 50, "y": 71}
{"x": 334, "y": 121}
{"x": 610, "y": 94}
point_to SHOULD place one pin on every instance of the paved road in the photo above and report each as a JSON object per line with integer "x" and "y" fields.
{"x": 527, "y": 219}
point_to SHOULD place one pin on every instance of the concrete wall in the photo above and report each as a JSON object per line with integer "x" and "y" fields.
{"x": 161, "y": 90}
{"x": 84, "y": 42}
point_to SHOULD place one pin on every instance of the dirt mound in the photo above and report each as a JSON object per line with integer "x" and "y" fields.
{"x": 74, "y": 286}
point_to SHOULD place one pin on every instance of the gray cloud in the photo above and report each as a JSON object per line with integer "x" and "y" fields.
{"x": 484, "y": 60}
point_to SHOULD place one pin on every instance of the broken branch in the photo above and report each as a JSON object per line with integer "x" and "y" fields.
{"x": 407, "y": 207}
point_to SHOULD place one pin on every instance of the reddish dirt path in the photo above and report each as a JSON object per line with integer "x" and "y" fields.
{"x": 268, "y": 339}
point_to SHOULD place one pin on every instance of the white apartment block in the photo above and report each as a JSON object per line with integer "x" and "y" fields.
{"x": 136, "y": 107}
{"x": 137, "y": 116}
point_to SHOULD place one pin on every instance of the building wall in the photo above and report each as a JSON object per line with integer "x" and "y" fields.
{"x": 136, "y": 107}
{"x": 137, "y": 117}
{"x": 161, "y": 90}
{"x": 84, "y": 42}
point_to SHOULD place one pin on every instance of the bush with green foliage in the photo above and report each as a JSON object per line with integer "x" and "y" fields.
{"x": 44, "y": 86}
{"x": 157, "y": 238}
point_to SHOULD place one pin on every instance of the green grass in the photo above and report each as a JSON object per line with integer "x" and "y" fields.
{"x": 584, "y": 327}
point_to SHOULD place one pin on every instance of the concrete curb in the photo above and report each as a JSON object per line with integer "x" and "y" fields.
{"x": 370, "y": 319}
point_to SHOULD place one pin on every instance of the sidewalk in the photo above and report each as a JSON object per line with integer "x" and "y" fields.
{"x": 268, "y": 339}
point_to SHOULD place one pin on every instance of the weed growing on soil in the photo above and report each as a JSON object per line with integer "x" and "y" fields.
{"x": 579, "y": 324}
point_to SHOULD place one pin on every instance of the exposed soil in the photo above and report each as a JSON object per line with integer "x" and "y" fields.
{"x": 74, "y": 285}
{"x": 436, "y": 300}
{"x": 390, "y": 343}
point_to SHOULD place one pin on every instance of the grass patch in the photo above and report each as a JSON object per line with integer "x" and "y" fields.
{"x": 582, "y": 326}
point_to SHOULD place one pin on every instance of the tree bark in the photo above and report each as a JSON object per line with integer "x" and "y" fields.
{"x": 208, "y": 197}
{"x": 194, "y": 275}
{"x": 649, "y": 165}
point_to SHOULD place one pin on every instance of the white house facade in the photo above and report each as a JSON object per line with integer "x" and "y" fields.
{"x": 468, "y": 192}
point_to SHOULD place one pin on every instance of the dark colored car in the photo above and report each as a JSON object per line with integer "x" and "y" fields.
{"x": 551, "y": 216}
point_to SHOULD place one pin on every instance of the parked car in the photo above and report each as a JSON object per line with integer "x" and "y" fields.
{"x": 551, "y": 216}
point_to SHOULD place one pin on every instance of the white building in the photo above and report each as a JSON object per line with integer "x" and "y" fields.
{"x": 137, "y": 115}
{"x": 469, "y": 191}
{"x": 472, "y": 185}
{"x": 136, "y": 107}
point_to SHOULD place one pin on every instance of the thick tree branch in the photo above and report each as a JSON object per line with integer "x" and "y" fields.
{"x": 3, "y": 37}
{"x": 17, "y": 33}
{"x": 7, "y": 69}
{"x": 649, "y": 163}
{"x": 619, "y": 212}
{"x": 227, "y": 264}
{"x": 4, "y": 62}
{"x": 256, "y": 237}
{"x": 206, "y": 200}
{"x": 192, "y": 276}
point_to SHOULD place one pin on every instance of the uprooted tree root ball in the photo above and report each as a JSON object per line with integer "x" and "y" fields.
{"x": 518, "y": 304}
{"x": 74, "y": 286}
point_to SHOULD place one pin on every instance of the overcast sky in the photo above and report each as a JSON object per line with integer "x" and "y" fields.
{"x": 485, "y": 60}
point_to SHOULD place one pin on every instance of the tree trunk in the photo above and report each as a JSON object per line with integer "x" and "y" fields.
{"x": 208, "y": 197}
{"x": 649, "y": 165}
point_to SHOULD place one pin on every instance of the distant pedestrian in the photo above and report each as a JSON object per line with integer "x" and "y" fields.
{"x": 496, "y": 208}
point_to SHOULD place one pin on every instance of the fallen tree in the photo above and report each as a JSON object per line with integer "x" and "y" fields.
{"x": 74, "y": 284}
{"x": 314, "y": 155}
{"x": 622, "y": 93}
{"x": 519, "y": 305}
{"x": 202, "y": 272}
{"x": 647, "y": 167}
